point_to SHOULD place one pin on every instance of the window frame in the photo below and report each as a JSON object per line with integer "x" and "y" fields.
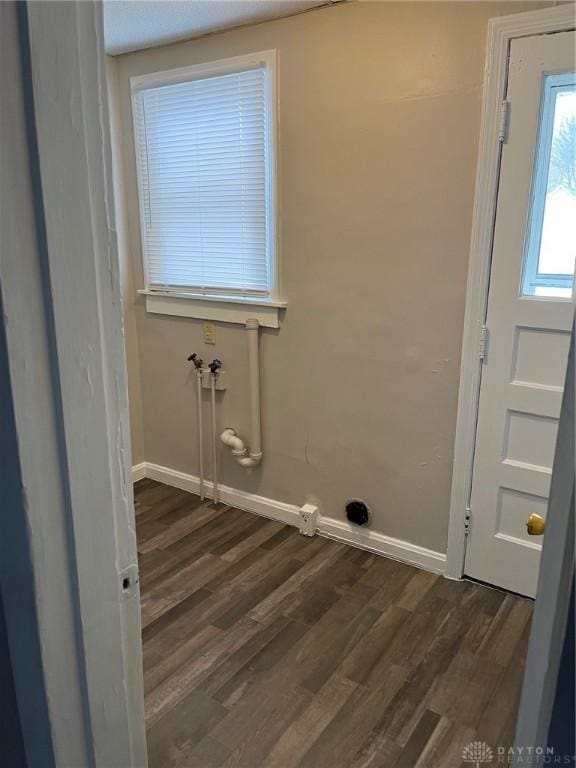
{"x": 531, "y": 278}
{"x": 189, "y": 303}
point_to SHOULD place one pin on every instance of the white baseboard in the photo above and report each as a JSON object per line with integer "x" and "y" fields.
{"x": 372, "y": 541}
{"x": 276, "y": 510}
{"x": 363, "y": 538}
{"x": 139, "y": 471}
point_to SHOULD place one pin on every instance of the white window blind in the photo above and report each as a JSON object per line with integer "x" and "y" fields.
{"x": 203, "y": 167}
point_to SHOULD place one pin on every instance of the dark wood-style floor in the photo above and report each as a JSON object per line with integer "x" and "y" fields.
{"x": 265, "y": 649}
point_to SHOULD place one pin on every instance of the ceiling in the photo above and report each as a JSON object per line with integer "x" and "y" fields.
{"x": 130, "y": 25}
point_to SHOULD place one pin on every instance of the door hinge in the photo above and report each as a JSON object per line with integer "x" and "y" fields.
{"x": 483, "y": 348}
{"x": 504, "y": 121}
{"x": 467, "y": 521}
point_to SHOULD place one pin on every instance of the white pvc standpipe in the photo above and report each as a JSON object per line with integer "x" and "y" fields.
{"x": 214, "y": 453}
{"x": 229, "y": 436}
{"x": 200, "y": 430}
{"x": 252, "y": 331}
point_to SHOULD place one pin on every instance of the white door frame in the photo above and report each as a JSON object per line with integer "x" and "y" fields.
{"x": 501, "y": 32}
{"x": 68, "y": 560}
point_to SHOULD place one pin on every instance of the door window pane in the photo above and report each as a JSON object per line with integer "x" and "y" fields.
{"x": 551, "y": 248}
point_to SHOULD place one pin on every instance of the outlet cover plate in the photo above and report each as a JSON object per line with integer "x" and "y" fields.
{"x": 308, "y": 520}
{"x": 209, "y": 332}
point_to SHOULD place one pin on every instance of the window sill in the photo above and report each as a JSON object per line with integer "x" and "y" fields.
{"x": 227, "y": 309}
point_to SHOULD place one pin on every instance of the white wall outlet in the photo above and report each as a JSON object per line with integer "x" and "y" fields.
{"x": 209, "y": 332}
{"x": 308, "y": 520}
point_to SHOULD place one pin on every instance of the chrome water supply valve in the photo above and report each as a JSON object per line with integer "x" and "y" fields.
{"x": 215, "y": 366}
{"x": 198, "y": 362}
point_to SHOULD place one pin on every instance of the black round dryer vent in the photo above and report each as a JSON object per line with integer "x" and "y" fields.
{"x": 357, "y": 512}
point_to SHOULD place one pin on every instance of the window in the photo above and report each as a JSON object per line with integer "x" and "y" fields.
{"x": 551, "y": 246}
{"x": 204, "y": 140}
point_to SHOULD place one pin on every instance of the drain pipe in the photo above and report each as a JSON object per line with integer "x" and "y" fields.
{"x": 253, "y": 456}
{"x": 198, "y": 364}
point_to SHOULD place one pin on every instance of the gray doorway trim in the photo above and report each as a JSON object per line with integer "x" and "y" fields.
{"x": 66, "y": 376}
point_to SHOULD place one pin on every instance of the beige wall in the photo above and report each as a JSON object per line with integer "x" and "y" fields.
{"x": 379, "y": 122}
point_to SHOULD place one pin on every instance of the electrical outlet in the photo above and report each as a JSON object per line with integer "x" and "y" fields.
{"x": 308, "y": 519}
{"x": 209, "y": 332}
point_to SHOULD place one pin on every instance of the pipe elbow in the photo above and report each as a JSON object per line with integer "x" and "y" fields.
{"x": 231, "y": 439}
{"x": 250, "y": 461}
{"x": 239, "y": 450}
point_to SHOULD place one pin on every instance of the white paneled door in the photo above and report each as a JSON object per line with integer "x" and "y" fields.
{"x": 529, "y": 313}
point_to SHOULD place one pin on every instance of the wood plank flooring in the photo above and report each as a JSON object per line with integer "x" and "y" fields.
{"x": 265, "y": 649}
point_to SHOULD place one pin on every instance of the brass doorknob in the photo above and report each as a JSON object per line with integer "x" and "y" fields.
{"x": 536, "y": 525}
